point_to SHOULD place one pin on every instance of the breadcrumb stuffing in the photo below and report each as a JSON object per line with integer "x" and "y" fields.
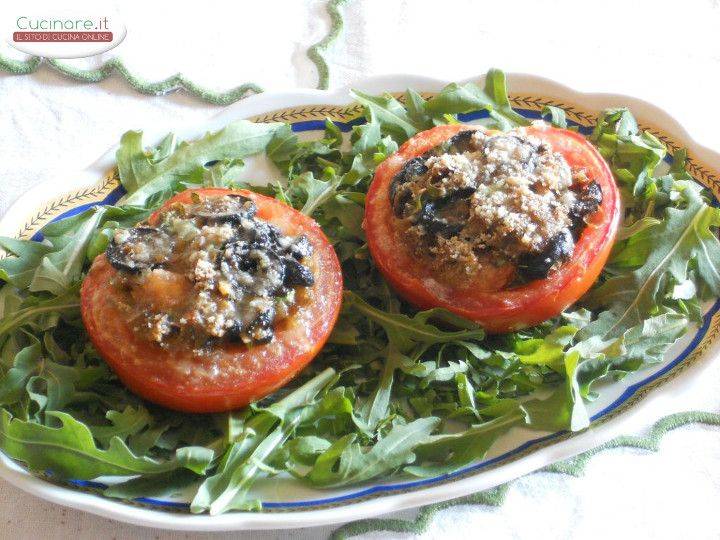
{"x": 230, "y": 275}
{"x": 486, "y": 199}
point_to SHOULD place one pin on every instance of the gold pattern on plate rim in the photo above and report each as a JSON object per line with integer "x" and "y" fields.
{"x": 701, "y": 172}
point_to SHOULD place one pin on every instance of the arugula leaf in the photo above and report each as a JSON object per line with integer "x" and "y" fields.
{"x": 260, "y": 437}
{"x": 578, "y": 413}
{"x": 316, "y": 191}
{"x": 283, "y": 147}
{"x": 32, "y": 310}
{"x": 345, "y": 462}
{"x": 455, "y": 98}
{"x": 564, "y": 409}
{"x": 130, "y": 421}
{"x": 69, "y": 451}
{"x": 161, "y": 485}
{"x": 547, "y": 350}
{"x": 306, "y": 449}
{"x": 366, "y": 137}
{"x": 20, "y": 268}
{"x": 404, "y": 332}
{"x": 348, "y": 212}
{"x": 640, "y": 345}
{"x": 417, "y": 110}
{"x": 685, "y": 235}
{"x": 61, "y": 268}
{"x": 557, "y": 116}
{"x": 390, "y": 113}
{"x": 375, "y": 409}
{"x": 24, "y": 365}
{"x": 446, "y": 453}
{"x": 143, "y": 177}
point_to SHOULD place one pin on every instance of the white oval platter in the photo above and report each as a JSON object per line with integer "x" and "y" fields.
{"x": 641, "y": 397}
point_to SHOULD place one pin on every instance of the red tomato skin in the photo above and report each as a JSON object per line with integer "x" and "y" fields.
{"x": 152, "y": 372}
{"x": 504, "y": 310}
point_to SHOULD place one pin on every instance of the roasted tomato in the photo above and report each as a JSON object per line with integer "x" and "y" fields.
{"x": 490, "y": 298}
{"x": 227, "y": 374}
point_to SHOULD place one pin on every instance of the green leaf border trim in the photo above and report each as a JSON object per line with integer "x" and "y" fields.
{"x": 177, "y": 82}
{"x": 316, "y": 53}
{"x": 495, "y": 496}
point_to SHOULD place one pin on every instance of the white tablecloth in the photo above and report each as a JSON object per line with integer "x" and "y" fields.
{"x": 665, "y": 52}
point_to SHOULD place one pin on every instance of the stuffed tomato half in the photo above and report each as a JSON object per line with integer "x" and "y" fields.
{"x": 505, "y": 228}
{"x": 215, "y": 301}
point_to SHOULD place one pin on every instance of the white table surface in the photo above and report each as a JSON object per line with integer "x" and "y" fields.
{"x": 665, "y": 52}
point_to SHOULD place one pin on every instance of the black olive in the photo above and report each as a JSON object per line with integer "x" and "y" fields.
{"x": 260, "y": 329}
{"x": 588, "y": 199}
{"x": 144, "y": 248}
{"x": 433, "y": 224}
{"x": 230, "y": 208}
{"x": 457, "y": 144}
{"x": 296, "y": 274}
{"x": 537, "y": 265}
{"x": 257, "y": 331}
{"x": 401, "y": 202}
{"x": 234, "y": 332}
{"x": 264, "y": 235}
{"x": 236, "y": 256}
{"x": 459, "y": 194}
{"x": 300, "y": 248}
{"x": 412, "y": 169}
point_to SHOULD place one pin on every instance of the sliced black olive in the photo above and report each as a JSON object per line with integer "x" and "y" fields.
{"x": 434, "y": 224}
{"x": 412, "y": 169}
{"x": 142, "y": 248}
{"x": 537, "y": 265}
{"x": 264, "y": 235}
{"x": 400, "y": 203}
{"x": 296, "y": 274}
{"x": 268, "y": 276}
{"x": 237, "y": 256}
{"x": 300, "y": 248}
{"x": 229, "y": 208}
{"x": 459, "y": 194}
{"x": 457, "y": 144}
{"x": 260, "y": 329}
{"x": 588, "y": 199}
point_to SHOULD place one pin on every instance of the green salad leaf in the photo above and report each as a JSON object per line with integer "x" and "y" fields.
{"x": 683, "y": 238}
{"x": 69, "y": 451}
{"x": 345, "y": 462}
{"x": 145, "y": 175}
{"x": 390, "y": 114}
{"x": 447, "y": 453}
{"x": 456, "y": 98}
{"x": 404, "y": 332}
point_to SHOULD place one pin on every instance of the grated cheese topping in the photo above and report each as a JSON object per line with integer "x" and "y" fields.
{"x": 495, "y": 199}
{"x": 210, "y": 270}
